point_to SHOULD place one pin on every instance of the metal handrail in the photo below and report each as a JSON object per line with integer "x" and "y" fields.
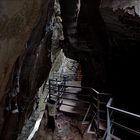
{"x": 123, "y": 112}
{"x": 89, "y": 88}
{"x": 86, "y": 88}
{"x": 93, "y": 93}
{"x": 64, "y": 75}
{"x": 126, "y": 128}
{"x": 120, "y": 110}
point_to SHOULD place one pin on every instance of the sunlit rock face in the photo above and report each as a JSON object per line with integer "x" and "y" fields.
{"x": 22, "y": 35}
{"x": 122, "y": 19}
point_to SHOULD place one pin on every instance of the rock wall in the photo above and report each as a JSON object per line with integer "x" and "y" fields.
{"x": 70, "y": 11}
{"x": 122, "y": 19}
{"x": 17, "y": 19}
{"x": 22, "y": 36}
{"x": 86, "y": 40}
{"x": 91, "y": 30}
{"x": 123, "y": 4}
{"x": 107, "y": 46}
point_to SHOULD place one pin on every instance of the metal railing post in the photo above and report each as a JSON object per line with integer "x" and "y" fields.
{"x": 108, "y": 125}
{"x": 98, "y": 115}
{"x": 49, "y": 89}
{"x": 64, "y": 80}
{"x": 56, "y": 82}
{"x": 108, "y": 120}
{"x": 58, "y": 94}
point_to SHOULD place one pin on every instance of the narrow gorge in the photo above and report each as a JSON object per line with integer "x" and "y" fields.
{"x": 96, "y": 40}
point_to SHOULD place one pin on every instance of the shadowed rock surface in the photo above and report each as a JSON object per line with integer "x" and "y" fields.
{"x": 103, "y": 36}
{"x": 23, "y": 35}
{"x": 122, "y": 19}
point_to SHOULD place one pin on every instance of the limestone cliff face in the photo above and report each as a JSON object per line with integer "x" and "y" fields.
{"x": 22, "y": 36}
